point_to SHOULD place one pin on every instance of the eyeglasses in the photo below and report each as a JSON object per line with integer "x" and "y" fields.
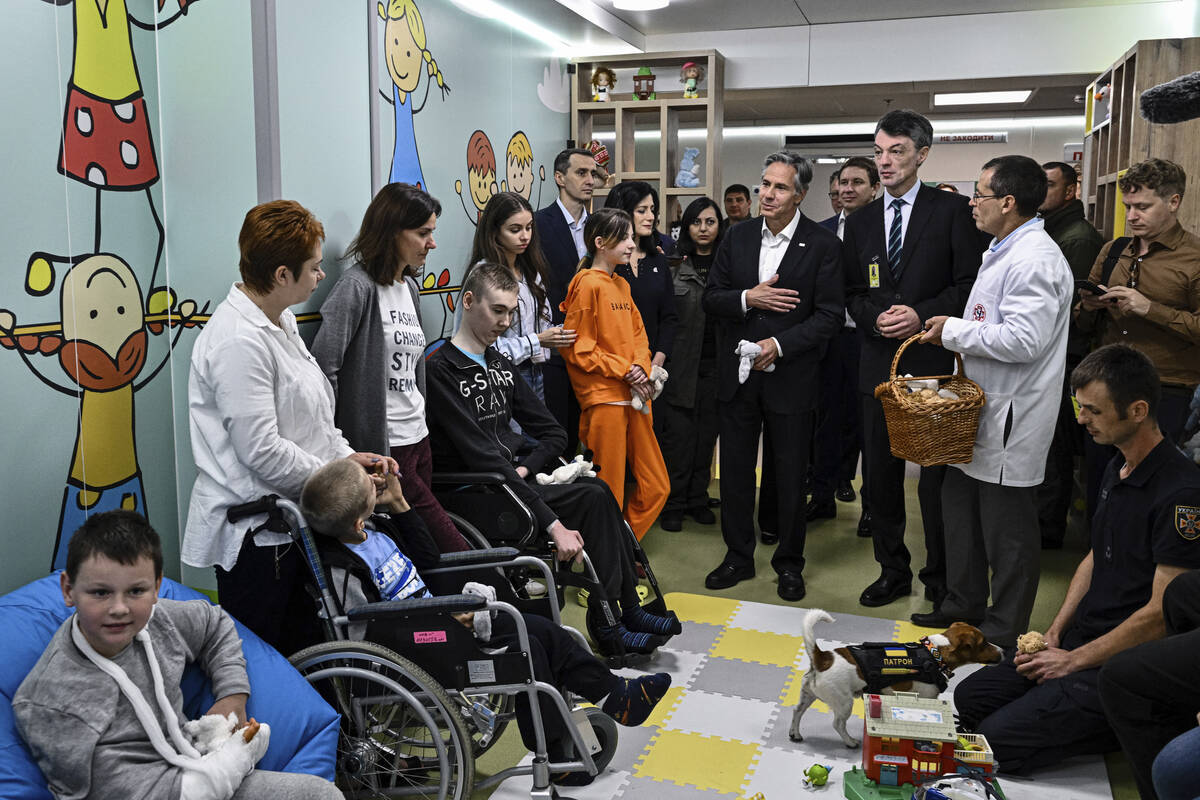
{"x": 977, "y": 196}
{"x": 833, "y": 194}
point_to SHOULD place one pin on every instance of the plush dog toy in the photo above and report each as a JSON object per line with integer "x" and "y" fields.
{"x": 568, "y": 472}
{"x": 747, "y": 351}
{"x": 1030, "y": 643}
{"x": 658, "y": 377}
{"x": 228, "y": 755}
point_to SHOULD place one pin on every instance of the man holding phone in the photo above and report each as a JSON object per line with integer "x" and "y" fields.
{"x": 1149, "y": 296}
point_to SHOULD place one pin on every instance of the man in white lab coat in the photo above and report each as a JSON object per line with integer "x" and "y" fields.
{"x": 1013, "y": 339}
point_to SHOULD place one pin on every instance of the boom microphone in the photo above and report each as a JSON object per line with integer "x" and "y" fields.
{"x": 1177, "y": 100}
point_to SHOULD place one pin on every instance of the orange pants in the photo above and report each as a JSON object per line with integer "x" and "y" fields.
{"x": 616, "y": 435}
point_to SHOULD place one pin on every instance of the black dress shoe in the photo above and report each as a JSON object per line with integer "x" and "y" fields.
{"x": 940, "y": 620}
{"x": 864, "y": 525}
{"x": 671, "y": 521}
{"x": 817, "y": 510}
{"x": 845, "y": 493}
{"x": 791, "y": 586}
{"x": 703, "y": 515}
{"x": 727, "y": 575}
{"x": 769, "y": 538}
{"x": 885, "y": 590}
{"x": 714, "y": 502}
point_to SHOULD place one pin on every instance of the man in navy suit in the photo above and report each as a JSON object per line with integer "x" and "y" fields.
{"x": 835, "y": 202}
{"x": 910, "y": 255}
{"x": 560, "y": 230}
{"x": 774, "y": 284}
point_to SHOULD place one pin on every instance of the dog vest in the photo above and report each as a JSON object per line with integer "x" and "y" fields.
{"x": 886, "y": 663}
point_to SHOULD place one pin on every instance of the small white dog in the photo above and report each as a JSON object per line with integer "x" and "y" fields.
{"x": 837, "y": 677}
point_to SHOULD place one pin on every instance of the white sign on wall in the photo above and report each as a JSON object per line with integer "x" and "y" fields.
{"x": 971, "y": 138}
{"x": 1073, "y": 152}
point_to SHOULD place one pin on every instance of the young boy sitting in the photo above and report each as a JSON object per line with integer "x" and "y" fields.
{"x": 102, "y": 710}
{"x": 367, "y": 565}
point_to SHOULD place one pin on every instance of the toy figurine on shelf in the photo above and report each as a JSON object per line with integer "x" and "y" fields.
{"x": 604, "y": 81}
{"x": 600, "y": 153}
{"x": 690, "y": 75}
{"x": 643, "y": 84}
{"x": 689, "y": 171}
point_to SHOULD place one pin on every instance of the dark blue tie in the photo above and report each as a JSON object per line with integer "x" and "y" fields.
{"x": 895, "y": 246}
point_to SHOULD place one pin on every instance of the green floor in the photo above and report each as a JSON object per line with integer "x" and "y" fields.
{"x": 839, "y": 566}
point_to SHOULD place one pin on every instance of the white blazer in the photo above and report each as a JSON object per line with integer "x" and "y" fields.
{"x": 1013, "y": 339}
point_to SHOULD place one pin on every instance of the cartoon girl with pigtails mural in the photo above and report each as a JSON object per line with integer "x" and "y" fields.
{"x": 106, "y": 141}
{"x": 404, "y": 51}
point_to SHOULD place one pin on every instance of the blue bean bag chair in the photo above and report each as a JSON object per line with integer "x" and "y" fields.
{"x": 304, "y": 728}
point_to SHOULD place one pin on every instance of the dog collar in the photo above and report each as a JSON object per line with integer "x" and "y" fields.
{"x": 937, "y": 656}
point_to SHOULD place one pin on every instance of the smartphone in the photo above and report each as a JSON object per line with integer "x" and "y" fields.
{"x": 1088, "y": 286}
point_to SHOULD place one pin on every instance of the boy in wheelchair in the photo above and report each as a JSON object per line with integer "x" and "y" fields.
{"x": 474, "y": 394}
{"x": 374, "y": 557}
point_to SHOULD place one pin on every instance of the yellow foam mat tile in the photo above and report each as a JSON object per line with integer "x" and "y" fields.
{"x": 689, "y": 759}
{"x": 666, "y": 706}
{"x": 762, "y": 647}
{"x": 701, "y": 608}
{"x": 907, "y": 632}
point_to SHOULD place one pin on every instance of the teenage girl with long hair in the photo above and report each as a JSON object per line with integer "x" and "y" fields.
{"x": 608, "y": 364}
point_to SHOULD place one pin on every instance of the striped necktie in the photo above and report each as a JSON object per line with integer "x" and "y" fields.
{"x": 895, "y": 246}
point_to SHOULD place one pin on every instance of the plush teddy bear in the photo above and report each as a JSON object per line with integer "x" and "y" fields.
{"x": 689, "y": 171}
{"x": 568, "y": 472}
{"x": 658, "y": 377}
{"x": 1030, "y": 643}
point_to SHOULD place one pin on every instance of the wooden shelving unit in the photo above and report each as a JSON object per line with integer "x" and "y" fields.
{"x": 617, "y": 122}
{"x": 1117, "y": 136}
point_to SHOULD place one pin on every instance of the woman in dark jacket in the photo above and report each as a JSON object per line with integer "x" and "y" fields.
{"x": 648, "y": 274}
{"x": 689, "y": 415}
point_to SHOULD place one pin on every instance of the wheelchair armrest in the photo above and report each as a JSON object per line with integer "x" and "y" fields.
{"x": 487, "y": 556}
{"x": 462, "y": 478}
{"x": 448, "y": 604}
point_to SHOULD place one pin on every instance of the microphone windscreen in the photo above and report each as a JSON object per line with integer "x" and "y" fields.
{"x": 1177, "y": 100}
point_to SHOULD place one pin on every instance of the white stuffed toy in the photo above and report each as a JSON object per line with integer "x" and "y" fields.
{"x": 568, "y": 472}
{"x": 228, "y": 755}
{"x": 747, "y": 351}
{"x": 658, "y": 377}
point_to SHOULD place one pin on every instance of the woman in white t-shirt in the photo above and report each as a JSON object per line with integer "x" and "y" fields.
{"x": 261, "y": 416}
{"x": 506, "y": 235}
{"x": 372, "y": 348}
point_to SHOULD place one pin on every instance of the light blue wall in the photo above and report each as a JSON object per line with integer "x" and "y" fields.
{"x": 199, "y": 81}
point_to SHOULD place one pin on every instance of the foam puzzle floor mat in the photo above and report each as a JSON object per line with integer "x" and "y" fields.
{"x": 722, "y": 729}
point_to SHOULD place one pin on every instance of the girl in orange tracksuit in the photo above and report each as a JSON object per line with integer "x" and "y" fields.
{"x": 608, "y": 363}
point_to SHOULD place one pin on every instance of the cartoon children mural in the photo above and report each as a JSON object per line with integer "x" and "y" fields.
{"x": 518, "y": 162}
{"x": 404, "y": 50}
{"x": 106, "y": 141}
{"x": 481, "y": 174}
{"x": 101, "y": 343}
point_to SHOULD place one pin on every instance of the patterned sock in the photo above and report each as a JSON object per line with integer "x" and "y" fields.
{"x": 632, "y": 641}
{"x": 632, "y": 703}
{"x": 642, "y": 621}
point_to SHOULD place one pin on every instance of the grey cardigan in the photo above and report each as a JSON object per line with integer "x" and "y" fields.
{"x": 350, "y": 349}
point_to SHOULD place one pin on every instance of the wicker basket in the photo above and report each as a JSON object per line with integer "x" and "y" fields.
{"x": 931, "y": 433}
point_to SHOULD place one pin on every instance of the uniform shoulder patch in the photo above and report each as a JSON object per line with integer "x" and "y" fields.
{"x": 1187, "y": 521}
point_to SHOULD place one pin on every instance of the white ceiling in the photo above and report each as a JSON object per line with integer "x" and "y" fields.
{"x": 685, "y": 16}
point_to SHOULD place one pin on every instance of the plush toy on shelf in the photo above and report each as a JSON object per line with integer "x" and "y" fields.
{"x": 604, "y": 81}
{"x": 600, "y": 153}
{"x": 690, "y": 75}
{"x": 689, "y": 171}
{"x": 643, "y": 84}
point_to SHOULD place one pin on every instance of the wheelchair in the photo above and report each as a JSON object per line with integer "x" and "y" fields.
{"x": 418, "y": 697}
{"x": 476, "y": 501}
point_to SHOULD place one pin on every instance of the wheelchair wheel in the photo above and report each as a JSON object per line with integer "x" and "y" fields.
{"x": 473, "y": 535}
{"x": 400, "y": 733}
{"x": 605, "y": 728}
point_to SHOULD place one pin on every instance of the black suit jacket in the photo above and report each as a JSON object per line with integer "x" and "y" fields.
{"x": 940, "y": 258}
{"x": 830, "y": 224}
{"x": 559, "y": 249}
{"x": 812, "y": 266}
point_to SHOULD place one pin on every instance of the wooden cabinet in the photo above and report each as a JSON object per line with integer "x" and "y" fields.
{"x": 1117, "y": 136}
{"x": 643, "y": 136}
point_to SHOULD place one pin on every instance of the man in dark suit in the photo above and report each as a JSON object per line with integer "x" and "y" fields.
{"x": 910, "y": 255}
{"x": 774, "y": 284}
{"x": 560, "y": 230}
